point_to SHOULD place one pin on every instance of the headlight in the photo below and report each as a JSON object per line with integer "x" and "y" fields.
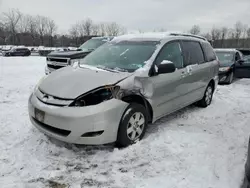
{"x": 74, "y": 61}
{"x": 223, "y": 69}
{"x": 97, "y": 96}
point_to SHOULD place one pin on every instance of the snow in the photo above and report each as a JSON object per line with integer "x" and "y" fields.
{"x": 152, "y": 35}
{"x": 192, "y": 148}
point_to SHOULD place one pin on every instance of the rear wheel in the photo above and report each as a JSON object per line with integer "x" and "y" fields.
{"x": 133, "y": 125}
{"x": 207, "y": 98}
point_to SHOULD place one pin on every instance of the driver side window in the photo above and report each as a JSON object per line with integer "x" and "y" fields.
{"x": 237, "y": 56}
{"x": 171, "y": 52}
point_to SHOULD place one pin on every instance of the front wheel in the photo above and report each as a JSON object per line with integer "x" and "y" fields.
{"x": 133, "y": 125}
{"x": 207, "y": 98}
{"x": 231, "y": 77}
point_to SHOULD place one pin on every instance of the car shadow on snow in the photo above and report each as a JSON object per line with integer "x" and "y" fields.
{"x": 168, "y": 119}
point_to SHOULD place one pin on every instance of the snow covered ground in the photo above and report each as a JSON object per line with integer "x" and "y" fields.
{"x": 193, "y": 148}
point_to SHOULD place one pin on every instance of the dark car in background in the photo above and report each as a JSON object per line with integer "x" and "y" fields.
{"x": 242, "y": 70}
{"x": 244, "y": 51}
{"x": 18, "y": 51}
{"x": 229, "y": 60}
{"x": 57, "y": 60}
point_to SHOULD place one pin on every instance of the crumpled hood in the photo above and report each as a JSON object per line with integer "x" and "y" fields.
{"x": 69, "y": 54}
{"x": 70, "y": 82}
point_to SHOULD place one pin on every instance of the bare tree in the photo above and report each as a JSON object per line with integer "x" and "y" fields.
{"x": 95, "y": 29}
{"x": 3, "y": 33}
{"x": 245, "y": 28}
{"x": 224, "y": 32}
{"x": 195, "y": 30}
{"x": 238, "y": 29}
{"x": 12, "y": 19}
{"x": 42, "y": 23}
{"x": 102, "y": 30}
{"x": 51, "y": 30}
{"x": 32, "y": 27}
{"x": 74, "y": 32}
{"x": 216, "y": 34}
{"x": 113, "y": 29}
{"x": 231, "y": 33}
{"x": 248, "y": 33}
{"x": 87, "y": 26}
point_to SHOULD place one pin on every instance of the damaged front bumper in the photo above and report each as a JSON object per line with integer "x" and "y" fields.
{"x": 91, "y": 125}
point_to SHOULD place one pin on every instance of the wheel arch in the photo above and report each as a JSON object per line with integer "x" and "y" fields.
{"x": 135, "y": 98}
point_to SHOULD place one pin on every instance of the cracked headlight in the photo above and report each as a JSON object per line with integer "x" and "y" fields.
{"x": 74, "y": 61}
{"x": 224, "y": 69}
{"x": 96, "y": 96}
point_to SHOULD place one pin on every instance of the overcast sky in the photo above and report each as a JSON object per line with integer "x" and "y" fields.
{"x": 146, "y": 15}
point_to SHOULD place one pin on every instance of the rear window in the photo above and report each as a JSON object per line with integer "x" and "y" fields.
{"x": 193, "y": 53}
{"x": 209, "y": 52}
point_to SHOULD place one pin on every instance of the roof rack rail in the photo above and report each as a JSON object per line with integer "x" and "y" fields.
{"x": 188, "y": 35}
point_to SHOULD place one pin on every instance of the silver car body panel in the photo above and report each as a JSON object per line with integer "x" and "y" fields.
{"x": 79, "y": 120}
{"x": 165, "y": 93}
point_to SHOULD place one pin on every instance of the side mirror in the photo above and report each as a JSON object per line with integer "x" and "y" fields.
{"x": 166, "y": 67}
{"x": 241, "y": 61}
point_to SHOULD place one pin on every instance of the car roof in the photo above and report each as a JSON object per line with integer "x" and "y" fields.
{"x": 104, "y": 37}
{"x": 225, "y": 50}
{"x": 158, "y": 36}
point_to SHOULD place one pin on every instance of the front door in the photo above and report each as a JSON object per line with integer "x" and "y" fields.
{"x": 167, "y": 88}
{"x": 242, "y": 70}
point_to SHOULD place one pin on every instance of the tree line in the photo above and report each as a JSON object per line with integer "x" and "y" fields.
{"x": 17, "y": 28}
{"x": 236, "y": 37}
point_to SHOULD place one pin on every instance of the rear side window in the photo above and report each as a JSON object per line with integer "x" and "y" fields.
{"x": 209, "y": 52}
{"x": 192, "y": 52}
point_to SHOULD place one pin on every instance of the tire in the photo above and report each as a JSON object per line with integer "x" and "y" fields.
{"x": 132, "y": 125}
{"x": 231, "y": 77}
{"x": 207, "y": 98}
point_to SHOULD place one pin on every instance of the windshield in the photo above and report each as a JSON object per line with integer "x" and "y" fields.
{"x": 123, "y": 56}
{"x": 92, "y": 44}
{"x": 225, "y": 57}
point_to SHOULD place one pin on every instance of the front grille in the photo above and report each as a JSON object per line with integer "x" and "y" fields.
{"x": 55, "y": 66}
{"x": 49, "y": 128}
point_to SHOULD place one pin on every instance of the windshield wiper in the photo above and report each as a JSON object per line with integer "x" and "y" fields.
{"x": 120, "y": 70}
{"x": 106, "y": 68}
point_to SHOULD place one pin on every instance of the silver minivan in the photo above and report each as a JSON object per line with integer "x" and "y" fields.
{"x": 113, "y": 93}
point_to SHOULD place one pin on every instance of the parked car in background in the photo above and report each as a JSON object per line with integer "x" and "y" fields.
{"x": 244, "y": 51}
{"x": 228, "y": 59}
{"x": 119, "y": 88}
{"x": 57, "y": 60}
{"x": 17, "y": 51}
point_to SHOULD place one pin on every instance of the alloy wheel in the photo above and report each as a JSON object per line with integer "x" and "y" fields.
{"x": 135, "y": 126}
{"x": 209, "y": 94}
